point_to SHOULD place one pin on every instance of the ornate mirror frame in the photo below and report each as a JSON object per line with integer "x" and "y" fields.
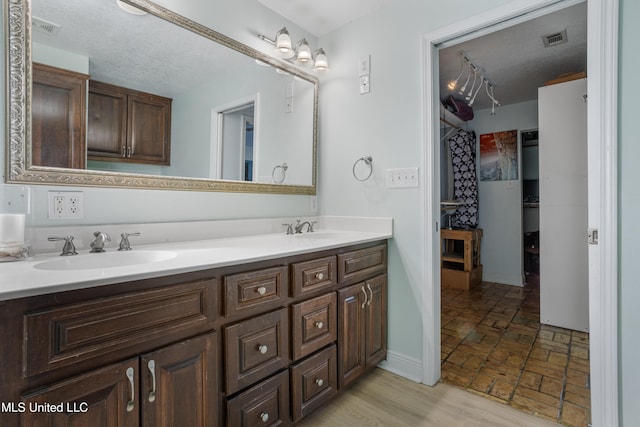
{"x": 19, "y": 77}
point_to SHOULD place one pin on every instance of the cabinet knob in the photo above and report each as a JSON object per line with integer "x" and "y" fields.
{"x": 319, "y": 325}
{"x": 264, "y": 417}
{"x": 319, "y": 382}
{"x": 319, "y": 276}
{"x": 262, "y": 290}
{"x": 263, "y": 349}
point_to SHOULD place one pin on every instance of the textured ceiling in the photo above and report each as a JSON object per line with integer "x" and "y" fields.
{"x": 140, "y": 52}
{"x": 515, "y": 59}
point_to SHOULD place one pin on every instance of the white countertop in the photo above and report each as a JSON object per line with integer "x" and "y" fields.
{"x": 28, "y": 278}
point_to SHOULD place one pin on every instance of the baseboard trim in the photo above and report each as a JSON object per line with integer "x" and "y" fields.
{"x": 404, "y": 366}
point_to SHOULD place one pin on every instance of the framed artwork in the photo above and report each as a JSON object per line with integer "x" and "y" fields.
{"x": 499, "y": 156}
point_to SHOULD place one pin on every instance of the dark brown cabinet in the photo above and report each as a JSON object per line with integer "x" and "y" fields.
{"x": 58, "y": 117}
{"x": 264, "y": 343}
{"x": 362, "y": 312}
{"x": 125, "y": 125}
{"x": 170, "y": 386}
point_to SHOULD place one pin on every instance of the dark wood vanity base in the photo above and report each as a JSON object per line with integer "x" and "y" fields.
{"x": 264, "y": 343}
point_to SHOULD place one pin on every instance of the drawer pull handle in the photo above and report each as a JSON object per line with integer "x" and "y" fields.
{"x": 319, "y": 325}
{"x": 262, "y": 290}
{"x": 365, "y": 297}
{"x": 319, "y": 382}
{"x": 371, "y": 292}
{"x": 263, "y": 349}
{"x": 130, "y": 403}
{"x": 264, "y": 417}
{"x": 152, "y": 369}
{"x": 319, "y": 276}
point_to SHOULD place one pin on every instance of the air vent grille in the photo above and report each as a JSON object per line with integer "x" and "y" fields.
{"x": 555, "y": 38}
{"x": 42, "y": 26}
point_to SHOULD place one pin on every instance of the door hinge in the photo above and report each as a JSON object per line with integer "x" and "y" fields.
{"x": 592, "y": 236}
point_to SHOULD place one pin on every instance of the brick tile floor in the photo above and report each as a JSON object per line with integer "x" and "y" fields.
{"x": 494, "y": 345}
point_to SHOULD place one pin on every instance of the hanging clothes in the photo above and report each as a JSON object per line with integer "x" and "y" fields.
{"x": 465, "y": 181}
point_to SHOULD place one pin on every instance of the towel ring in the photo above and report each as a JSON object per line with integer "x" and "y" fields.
{"x": 368, "y": 160}
{"x": 284, "y": 168}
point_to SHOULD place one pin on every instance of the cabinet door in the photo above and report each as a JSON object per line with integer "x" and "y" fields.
{"x": 58, "y": 118}
{"x": 149, "y": 128}
{"x": 107, "y": 122}
{"x": 178, "y": 384}
{"x": 351, "y": 332}
{"x": 104, "y": 397}
{"x": 376, "y": 324}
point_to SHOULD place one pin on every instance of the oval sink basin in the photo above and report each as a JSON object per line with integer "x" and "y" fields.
{"x": 105, "y": 260}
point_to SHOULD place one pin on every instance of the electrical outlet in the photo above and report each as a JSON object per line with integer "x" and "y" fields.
{"x": 66, "y": 204}
{"x": 402, "y": 178}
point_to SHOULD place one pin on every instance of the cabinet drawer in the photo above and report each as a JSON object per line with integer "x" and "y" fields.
{"x": 358, "y": 265}
{"x": 314, "y": 275}
{"x": 313, "y": 324}
{"x": 255, "y": 348}
{"x": 265, "y": 404}
{"x": 80, "y": 331}
{"x": 313, "y": 382}
{"x": 255, "y": 290}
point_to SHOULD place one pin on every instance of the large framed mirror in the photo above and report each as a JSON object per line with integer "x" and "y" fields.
{"x": 98, "y": 96}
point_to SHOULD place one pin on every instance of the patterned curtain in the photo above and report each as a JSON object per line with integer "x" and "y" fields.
{"x": 465, "y": 181}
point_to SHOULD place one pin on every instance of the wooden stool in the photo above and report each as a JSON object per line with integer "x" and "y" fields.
{"x": 460, "y": 266}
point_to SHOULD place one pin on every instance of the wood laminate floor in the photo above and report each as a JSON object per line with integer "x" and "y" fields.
{"x": 382, "y": 399}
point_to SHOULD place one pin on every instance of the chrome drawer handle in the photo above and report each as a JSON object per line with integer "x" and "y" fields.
{"x": 319, "y": 382}
{"x": 365, "y": 297}
{"x": 264, "y": 417}
{"x": 152, "y": 369}
{"x": 130, "y": 403}
{"x": 319, "y": 325}
{"x": 319, "y": 276}
{"x": 262, "y": 349}
{"x": 371, "y": 292}
{"x": 262, "y": 290}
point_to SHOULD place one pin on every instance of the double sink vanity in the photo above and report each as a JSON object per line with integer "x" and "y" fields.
{"x": 257, "y": 329}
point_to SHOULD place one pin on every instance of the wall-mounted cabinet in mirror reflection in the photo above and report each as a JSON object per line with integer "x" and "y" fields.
{"x": 214, "y": 140}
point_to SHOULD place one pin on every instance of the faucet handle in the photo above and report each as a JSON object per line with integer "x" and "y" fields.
{"x": 124, "y": 242}
{"x": 311, "y": 226}
{"x": 289, "y": 228}
{"x": 68, "y": 248}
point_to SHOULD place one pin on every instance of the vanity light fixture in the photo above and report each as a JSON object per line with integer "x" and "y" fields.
{"x": 300, "y": 53}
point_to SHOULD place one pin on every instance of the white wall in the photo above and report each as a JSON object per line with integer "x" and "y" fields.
{"x": 500, "y": 202}
{"x": 629, "y": 226}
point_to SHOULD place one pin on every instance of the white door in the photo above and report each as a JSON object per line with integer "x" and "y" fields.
{"x": 564, "y": 268}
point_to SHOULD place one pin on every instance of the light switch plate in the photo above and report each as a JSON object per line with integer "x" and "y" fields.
{"x": 402, "y": 178}
{"x": 364, "y": 84}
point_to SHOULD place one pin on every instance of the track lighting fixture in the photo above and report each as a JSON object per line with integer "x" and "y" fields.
{"x": 470, "y": 93}
{"x": 300, "y": 54}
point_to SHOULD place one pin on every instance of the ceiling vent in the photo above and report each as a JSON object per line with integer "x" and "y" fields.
{"x": 555, "y": 38}
{"x": 46, "y": 27}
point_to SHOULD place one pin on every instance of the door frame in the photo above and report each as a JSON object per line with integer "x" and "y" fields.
{"x": 602, "y": 71}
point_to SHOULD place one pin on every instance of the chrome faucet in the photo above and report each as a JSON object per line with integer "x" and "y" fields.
{"x": 98, "y": 243}
{"x": 300, "y": 226}
{"x": 68, "y": 248}
{"x": 289, "y": 228}
{"x": 124, "y": 242}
